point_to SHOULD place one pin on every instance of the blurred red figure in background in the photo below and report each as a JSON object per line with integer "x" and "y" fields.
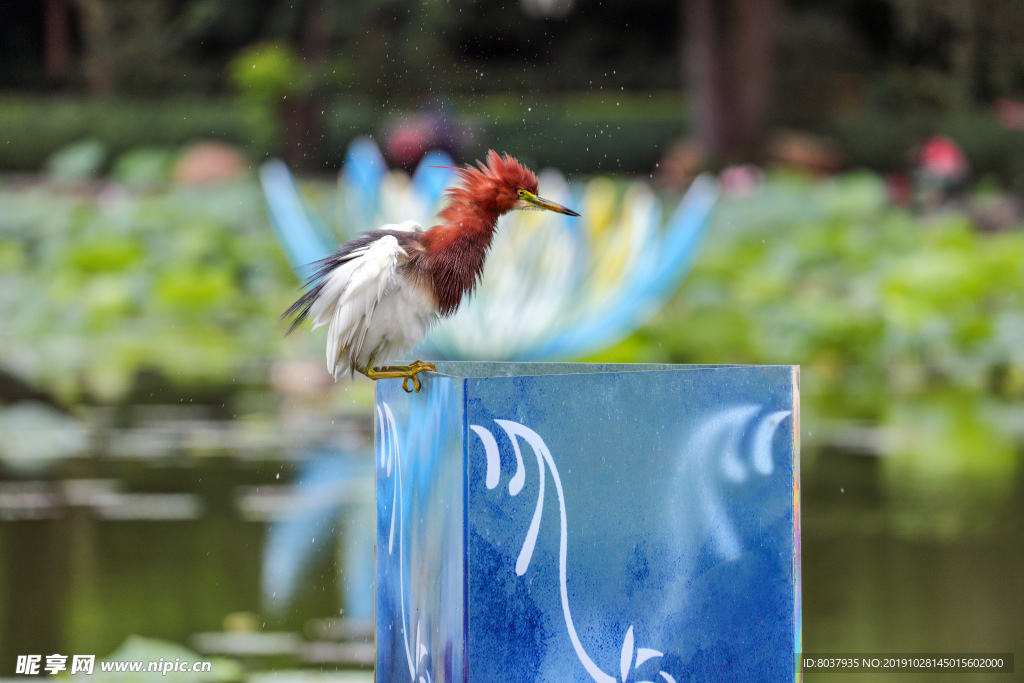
{"x": 941, "y": 171}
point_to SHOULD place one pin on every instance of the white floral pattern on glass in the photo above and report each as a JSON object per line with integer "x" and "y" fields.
{"x": 516, "y": 431}
{"x": 723, "y": 430}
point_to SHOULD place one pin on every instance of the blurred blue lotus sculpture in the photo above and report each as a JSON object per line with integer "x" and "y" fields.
{"x": 553, "y": 288}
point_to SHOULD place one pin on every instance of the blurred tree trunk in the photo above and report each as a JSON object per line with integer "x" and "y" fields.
{"x": 56, "y": 39}
{"x": 99, "y": 59}
{"x": 303, "y": 122}
{"x": 965, "y": 53}
{"x": 728, "y": 52}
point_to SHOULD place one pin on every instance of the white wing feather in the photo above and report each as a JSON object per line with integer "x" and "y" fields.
{"x": 350, "y": 295}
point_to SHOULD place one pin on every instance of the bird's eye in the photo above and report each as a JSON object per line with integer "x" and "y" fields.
{"x": 521, "y": 193}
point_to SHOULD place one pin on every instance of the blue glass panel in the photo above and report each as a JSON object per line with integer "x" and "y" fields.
{"x": 620, "y": 525}
{"x": 420, "y": 513}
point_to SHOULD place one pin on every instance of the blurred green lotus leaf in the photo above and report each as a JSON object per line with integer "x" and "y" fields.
{"x": 77, "y": 162}
{"x": 928, "y": 281}
{"x": 104, "y": 253}
{"x": 143, "y": 167}
{"x": 12, "y": 257}
{"x": 855, "y": 195}
{"x": 200, "y": 241}
{"x": 108, "y": 295}
{"x": 194, "y": 289}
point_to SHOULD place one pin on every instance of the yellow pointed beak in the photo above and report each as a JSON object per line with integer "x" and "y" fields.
{"x": 541, "y": 203}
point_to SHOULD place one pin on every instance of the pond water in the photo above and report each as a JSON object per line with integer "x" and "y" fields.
{"x": 877, "y": 577}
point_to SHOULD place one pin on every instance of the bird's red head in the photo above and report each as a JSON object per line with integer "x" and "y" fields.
{"x": 455, "y": 249}
{"x": 495, "y": 185}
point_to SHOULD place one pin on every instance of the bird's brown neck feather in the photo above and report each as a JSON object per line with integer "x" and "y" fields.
{"x": 456, "y": 249}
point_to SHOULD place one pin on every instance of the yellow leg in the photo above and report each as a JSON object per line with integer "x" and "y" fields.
{"x": 405, "y": 372}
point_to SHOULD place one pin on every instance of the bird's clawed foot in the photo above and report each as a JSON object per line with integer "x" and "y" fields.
{"x": 406, "y": 372}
